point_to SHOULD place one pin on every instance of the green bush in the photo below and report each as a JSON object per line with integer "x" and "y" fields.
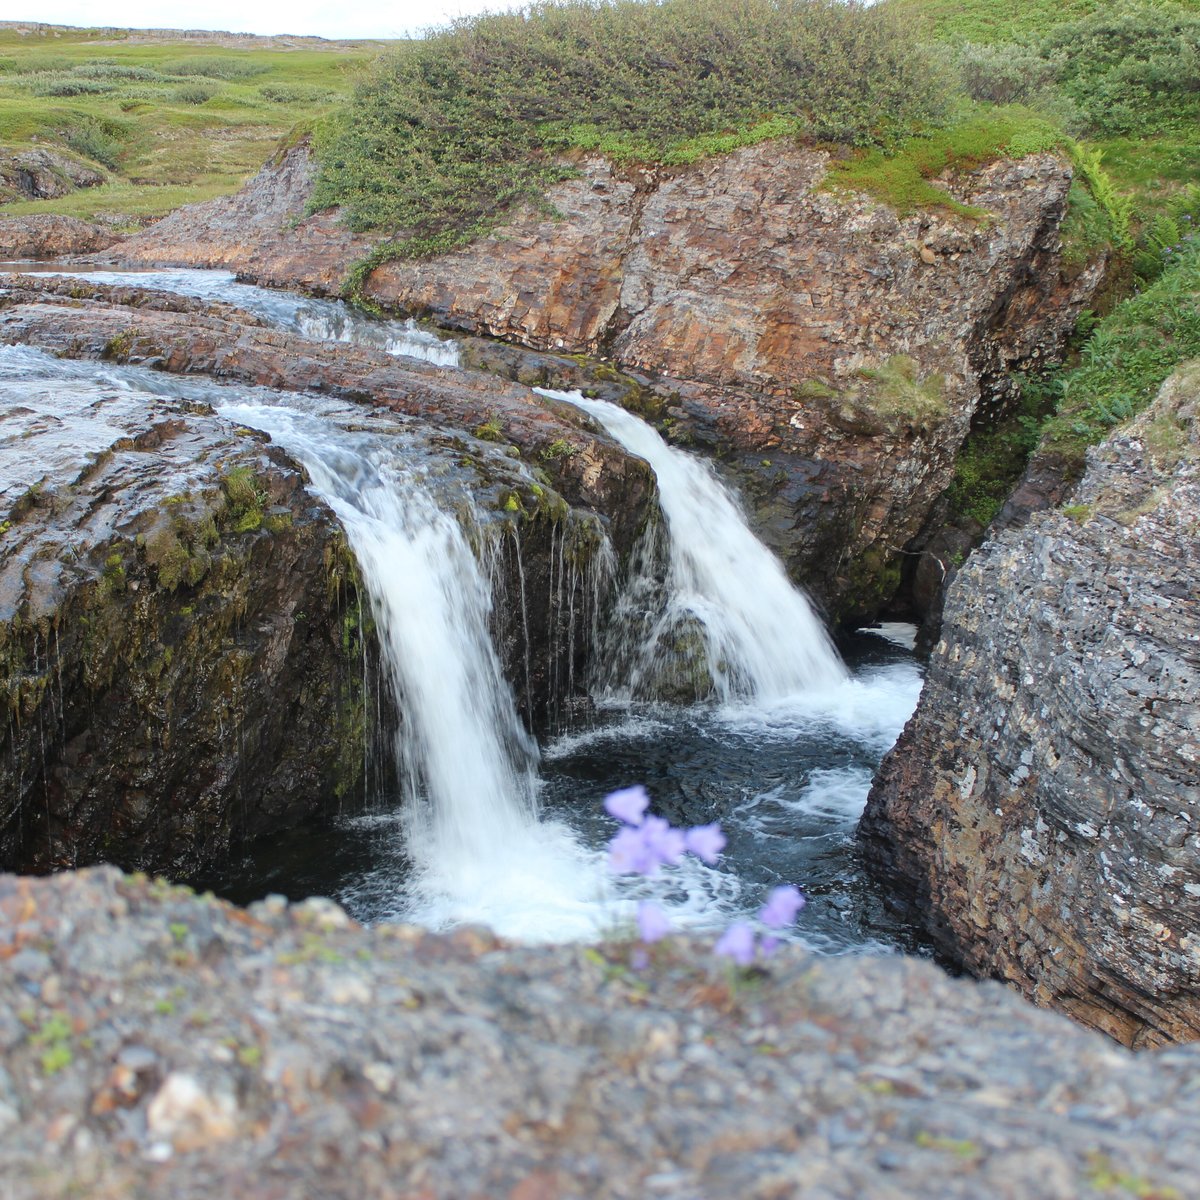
{"x": 98, "y": 69}
{"x": 1128, "y": 356}
{"x": 213, "y": 67}
{"x": 69, "y": 85}
{"x": 1130, "y": 67}
{"x": 194, "y": 93}
{"x": 99, "y": 138}
{"x": 294, "y": 93}
{"x": 448, "y": 134}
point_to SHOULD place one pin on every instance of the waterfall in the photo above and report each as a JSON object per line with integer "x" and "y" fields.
{"x": 727, "y": 599}
{"x": 478, "y": 850}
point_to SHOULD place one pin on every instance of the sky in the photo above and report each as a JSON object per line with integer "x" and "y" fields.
{"x": 321, "y": 18}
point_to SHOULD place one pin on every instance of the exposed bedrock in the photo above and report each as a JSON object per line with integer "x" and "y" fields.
{"x": 158, "y": 1043}
{"x": 1041, "y": 812}
{"x": 830, "y": 352}
{"x": 45, "y": 235}
{"x": 181, "y": 634}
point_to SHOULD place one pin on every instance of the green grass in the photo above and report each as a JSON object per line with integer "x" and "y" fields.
{"x": 1127, "y": 357}
{"x": 170, "y": 121}
{"x": 980, "y": 135}
{"x": 447, "y": 135}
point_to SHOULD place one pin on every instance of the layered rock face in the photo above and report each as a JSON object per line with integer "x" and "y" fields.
{"x": 170, "y": 635}
{"x": 182, "y": 637}
{"x": 831, "y": 353}
{"x": 157, "y": 1043}
{"x": 49, "y": 236}
{"x": 40, "y": 174}
{"x": 1042, "y": 810}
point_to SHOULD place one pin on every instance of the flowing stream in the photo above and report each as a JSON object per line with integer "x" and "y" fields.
{"x": 491, "y": 828}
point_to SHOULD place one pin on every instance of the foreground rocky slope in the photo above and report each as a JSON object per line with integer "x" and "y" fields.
{"x": 1042, "y": 810}
{"x": 181, "y": 630}
{"x": 833, "y": 354}
{"x": 157, "y": 1043}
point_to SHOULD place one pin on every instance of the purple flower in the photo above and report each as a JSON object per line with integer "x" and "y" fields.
{"x": 737, "y": 942}
{"x": 642, "y": 849}
{"x": 628, "y": 805}
{"x": 783, "y": 903}
{"x": 627, "y": 852}
{"x": 705, "y": 842}
{"x": 767, "y": 945}
{"x": 639, "y": 960}
{"x": 664, "y": 845}
{"x": 652, "y": 922}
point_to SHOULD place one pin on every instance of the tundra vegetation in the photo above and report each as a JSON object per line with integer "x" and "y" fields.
{"x": 166, "y": 121}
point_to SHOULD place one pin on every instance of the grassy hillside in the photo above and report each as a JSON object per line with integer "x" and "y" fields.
{"x": 1123, "y": 77}
{"x": 450, "y": 132}
{"x": 169, "y": 119}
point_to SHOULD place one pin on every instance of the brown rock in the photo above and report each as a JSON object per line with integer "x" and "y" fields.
{"x": 47, "y": 235}
{"x": 753, "y": 297}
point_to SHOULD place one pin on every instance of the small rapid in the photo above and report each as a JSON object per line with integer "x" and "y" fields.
{"x": 319, "y": 320}
{"x": 762, "y": 640}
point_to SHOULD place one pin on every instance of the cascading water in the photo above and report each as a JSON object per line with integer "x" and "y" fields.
{"x": 320, "y": 320}
{"x": 477, "y": 849}
{"x": 784, "y": 764}
{"x": 761, "y": 639}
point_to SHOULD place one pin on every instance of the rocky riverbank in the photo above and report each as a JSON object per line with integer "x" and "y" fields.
{"x": 1040, "y": 812}
{"x": 160, "y": 1043}
{"x": 830, "y": 353}
{"x": 181, "y": 632}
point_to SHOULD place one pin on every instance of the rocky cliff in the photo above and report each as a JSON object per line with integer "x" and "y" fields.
{"x": 832, "y": 353}
{"x": 181, "y": 637}
{"x": 156, "y": 1043}
{"x": 1042, "y": 810}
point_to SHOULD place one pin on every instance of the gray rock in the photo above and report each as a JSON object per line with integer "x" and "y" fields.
{"x": 482, "y": 1069}
{"x": 1041, "y": 812}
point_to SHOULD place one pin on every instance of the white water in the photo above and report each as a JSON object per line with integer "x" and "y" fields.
{"x": 763, "y": 642}
{"x": 320, "y": 320}
{"x": 478, "y": 850}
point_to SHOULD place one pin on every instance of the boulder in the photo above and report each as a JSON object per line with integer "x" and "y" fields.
{"x": 1041, "y": 812}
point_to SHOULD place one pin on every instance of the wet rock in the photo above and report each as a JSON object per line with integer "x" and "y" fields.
{"x": 171, "y": 634}
{"x": 181, "y": 633}
{"x": 482, "y": 1069}
{"x": 756, "y": 300}
{"x": 1040, "y": 811}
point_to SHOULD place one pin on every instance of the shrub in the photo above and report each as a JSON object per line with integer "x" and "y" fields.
{"x": 99, "y": 138}
{"x": 213, "y": 67}
{"x": 449, "y": 133}
{"x": 194, "y": 93}
{"x": 69, "y": 85}
{"x": 114, "y": 71}
{"x": 294, "y": 93}
{"x": 1131, "y": 68}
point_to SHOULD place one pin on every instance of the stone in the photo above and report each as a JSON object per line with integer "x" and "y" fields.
{"x": 1039, "y": 813}
{"x": 753, "y": 300}
{"x": 497, "y": 1070}
{"x": 47, "y": 235}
